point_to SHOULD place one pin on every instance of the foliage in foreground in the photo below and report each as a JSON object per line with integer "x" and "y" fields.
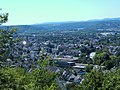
{"x": 100, "y": 80}
{"x": 17, "y": 79}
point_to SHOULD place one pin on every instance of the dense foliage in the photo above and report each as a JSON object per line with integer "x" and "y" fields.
{"x": 18, "y": 79}
{"x": 100, "y": 80}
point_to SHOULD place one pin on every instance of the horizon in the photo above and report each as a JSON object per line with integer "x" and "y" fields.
{"x": 4, "y": 24}
{"x": 32, "y": 12}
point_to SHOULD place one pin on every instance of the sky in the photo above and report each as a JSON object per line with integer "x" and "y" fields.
{"x": 40, "y": 11}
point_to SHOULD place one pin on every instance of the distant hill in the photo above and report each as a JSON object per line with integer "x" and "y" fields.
{"x": 108, "y": 23}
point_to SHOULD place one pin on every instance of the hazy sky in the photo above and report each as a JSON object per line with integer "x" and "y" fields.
{"x": 38, "y": 11}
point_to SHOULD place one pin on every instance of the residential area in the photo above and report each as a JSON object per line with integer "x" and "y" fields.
{"x": 70, "y": 54}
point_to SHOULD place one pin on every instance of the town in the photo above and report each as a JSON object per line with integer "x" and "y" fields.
{"x": 72, "y": 53}
{"x": 59, "y": 45}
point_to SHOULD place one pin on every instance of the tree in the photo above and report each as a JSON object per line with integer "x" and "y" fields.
{"x": 89, "y": 68}
{"x": 112, "y": 62}
{"x": 100, "y": 58}
{"x": 18, "y": 79}
{"x": 12, "y": 79}
{"x": 3, "y": 18}
{"x": 111, "y": 80}
{"x": 44, "y": 79}
{"x": 92, "y": 81}
{"x": 100, "y": 80}
{"x": 6, "y": 40}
